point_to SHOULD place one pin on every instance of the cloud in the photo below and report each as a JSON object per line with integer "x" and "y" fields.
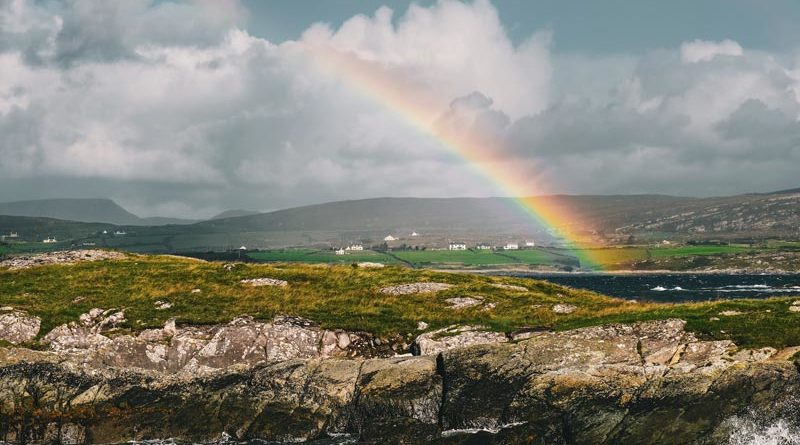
{"x": 76, "y": 31}
{"x": 103, "y": 99}
{"x": 703, "y": 50}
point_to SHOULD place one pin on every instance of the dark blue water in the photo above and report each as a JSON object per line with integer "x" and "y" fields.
{"x": 679, "y": 287}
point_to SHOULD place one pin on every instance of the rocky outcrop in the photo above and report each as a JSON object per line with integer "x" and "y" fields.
{"x": 18, "y": 327}
{"x": 258, "y": 282}
{"x": 62, "y": 257}
{"x": 510, "y": 287}
{"x": 453, "y": 337}
{"x": 370, "y": 265}
{"x": 463, "y": 302}
{"x": 646, "y": 383}
{"x": 414, "y": 288}
{"x": 562, "y": 308}
{"x": 195, "y": 349}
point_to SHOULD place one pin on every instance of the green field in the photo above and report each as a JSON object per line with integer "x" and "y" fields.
{"x": 698, "y": 250}
{"x": 608, "y": 258}
{"x": 422, "y": 258}
{"x": 461, "y": 257}
{"x": 320, "y": 256}
{"x": 349, "y": 298}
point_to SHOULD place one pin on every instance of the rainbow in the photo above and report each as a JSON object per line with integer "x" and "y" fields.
{"x": 421, "y": 107}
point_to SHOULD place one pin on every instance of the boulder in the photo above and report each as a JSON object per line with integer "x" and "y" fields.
{"x": 453, "y": 337}
{"x": 18, "y": 327}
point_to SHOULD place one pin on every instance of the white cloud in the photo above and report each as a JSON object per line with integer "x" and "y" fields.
{"x": 704, "y": 50}
{"x": 452, "y": 47}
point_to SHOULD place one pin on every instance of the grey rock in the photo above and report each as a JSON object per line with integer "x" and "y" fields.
{"x": 453, "y": 337}
{"x": 18, "y": 327}
{"x": 645, "y": 383}
{"x": 511, "y": 287}
{"x": 61, "y": 257}
{"x": 562, "y": 308}
{"x": 414, "y": 288}
{"x": 257, "y": 282}
{"x": 464, "y": 302}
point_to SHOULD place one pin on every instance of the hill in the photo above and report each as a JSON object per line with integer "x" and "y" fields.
{"x": 617, "y": 219}
{"x": 235, "y": 213}
{"x": 82, "y": 210}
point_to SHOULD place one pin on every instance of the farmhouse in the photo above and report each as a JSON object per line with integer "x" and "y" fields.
{"x": 414, "y": 234}
{"x": 390, "y": 238}
{"x": 511, "y": 246}
{"x": 119, "y": 232}
{"x": 457, "y": 246}
{"x": 49, "y": 240}
{"x": 482, "y": 246}
{"x": 340, "y": 251}
{"x": 354, "y": 247}
{"x": 530, "y": 243}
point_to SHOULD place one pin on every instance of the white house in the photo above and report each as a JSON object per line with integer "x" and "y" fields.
{"x": 354, "y": 247}
{"x": 390, "y": 238}
{"x": 457, "y": 246}
{"x": 243, "y": 248}
{"x": 119, "y": 232}
{"x": 13, "y": 235}
{"x": 414, "y": 234}
{"x": 530, "y": 243}
{"x": 482, "y": 246}
{"x": 49, "y": 240}
{"x": 340, "y": 251}
{"x": 511, "y": 246}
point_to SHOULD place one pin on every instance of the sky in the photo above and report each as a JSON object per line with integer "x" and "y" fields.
{"x": 189, "y": 108}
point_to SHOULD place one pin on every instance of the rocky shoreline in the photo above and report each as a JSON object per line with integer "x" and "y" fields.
{"x": 289, "y": 381}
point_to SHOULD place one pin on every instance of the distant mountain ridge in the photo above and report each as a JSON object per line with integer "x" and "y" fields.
{"x": 234, "y": 213}
{"x": 100, "y": 210}
{"x": 614, "y": 219}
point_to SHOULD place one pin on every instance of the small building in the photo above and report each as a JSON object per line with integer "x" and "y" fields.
{"x": 105, "y": 232}
{"x": 354, "y": 247}
{"x": 511, "y": 246}
{"x": 457, "y": 246}
{"x": 414, "y": 234}
{"x": 390, "y": 238}
{"x": 119, "y": 232}
{"x": 12, "y": 235}
{"x": 243, "y": 248}
{"x": 49, "y": 240}
{"x": 530, "y": 243}
{"x": 340, "y": 251}
{"x": 482, "y": 246}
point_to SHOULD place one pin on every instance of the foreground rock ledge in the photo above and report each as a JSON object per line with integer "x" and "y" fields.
{"x": 648, "y": 383}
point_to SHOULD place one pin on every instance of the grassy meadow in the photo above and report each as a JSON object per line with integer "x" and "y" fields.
{"x": 342, "y": 296}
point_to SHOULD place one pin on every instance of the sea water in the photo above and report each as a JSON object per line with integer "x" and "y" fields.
{"x": 679, "y": 287}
